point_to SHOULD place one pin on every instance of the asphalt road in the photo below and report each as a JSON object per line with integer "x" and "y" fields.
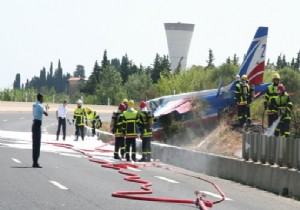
{"x": 68, "y": 180}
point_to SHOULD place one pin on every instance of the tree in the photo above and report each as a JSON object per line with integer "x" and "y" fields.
{"x": 50, "y": 79}
{"x": 211, "y": 59}
{"x": 297, "y": 62}
{"x": 178, "y": 68}
{"x": 79, "y": 71}
{"x": 93, "y": 80}
{"x": 17, "y": 82}
{"x": 115, "y": 62}
{"x": 105, "y": 61}
{"x": 160, "y": 64}
{"x": 235, "y": 60}
{"x": 58, "y": 78}
{"x": 109, "y": 86}
{"x": 125, "y": 68}
{"x": 138, "y": 85}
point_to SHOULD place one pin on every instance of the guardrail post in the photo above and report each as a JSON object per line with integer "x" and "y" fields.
{"x": 263, "y": 148}
{"x": 280, "y": 151}
{"x": 289, "y": 152}
{"x": 254, "y": 147}
{"x": 298, "y": 153}
{"x": 271, "y": 150}
{"x": 246, "y": 145}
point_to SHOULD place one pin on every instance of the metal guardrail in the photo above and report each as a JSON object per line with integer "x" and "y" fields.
{"x": 272, "y": 150}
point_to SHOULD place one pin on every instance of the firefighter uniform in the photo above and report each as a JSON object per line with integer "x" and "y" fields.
{"x": 271, "y": 93}
{"x": 146, "y": 120}
{"x": 242, "y": 99}
{"x": 78, "y": 120}
{"x": 131, "y": 123}
{"x": 117, "y": 130}
{"x": 283, "y": 106}
{"x": 93, "y": 119}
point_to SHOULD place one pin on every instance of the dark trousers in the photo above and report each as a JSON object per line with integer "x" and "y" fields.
{"x": 146, "y": 149}
{"x": 242, "y": 114}
{"x": 61, "y": 123}
{"x": 79, "y": 129}
{"x": 119, "y": 145}
{"x": 283, "y": 128}
{"x": 36, "y": 140}
{"x": 271, "y": 119}
{"x": 130, "y": 142}
{"x": 93, "y": 127}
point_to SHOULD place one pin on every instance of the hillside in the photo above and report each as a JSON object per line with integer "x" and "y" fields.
{"x": 224, "y": 140}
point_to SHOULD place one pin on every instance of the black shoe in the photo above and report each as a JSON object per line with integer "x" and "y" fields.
{"x": 117, "y": 157}
{"x": 142, "y": 160}
{"x": 36, "y": 165}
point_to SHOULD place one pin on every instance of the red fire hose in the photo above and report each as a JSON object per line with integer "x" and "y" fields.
{"x": 200, "y": 201}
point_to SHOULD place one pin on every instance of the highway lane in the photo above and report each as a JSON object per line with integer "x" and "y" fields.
{"x": 69, "y": 180}
{"x": 21, "y": 122}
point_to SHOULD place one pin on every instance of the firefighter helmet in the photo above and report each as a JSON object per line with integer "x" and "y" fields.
{"x": 122, "y": 107}
{"x": 125, "y": 100}
{"x": 130, "y": 103}
{"x": 276, "y": 76}
{"x": 143, "y": 104}
{"x": 79, "y": 102}
{"x": 88, "y": 110}
{"x": 244, "y": 77}
{"x": 281, "y": 88}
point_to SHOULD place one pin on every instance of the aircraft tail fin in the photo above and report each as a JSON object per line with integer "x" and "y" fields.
{"x": 254, "y": 61}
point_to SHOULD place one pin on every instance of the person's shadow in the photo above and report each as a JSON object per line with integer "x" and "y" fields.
{"x": 21, "y": 167}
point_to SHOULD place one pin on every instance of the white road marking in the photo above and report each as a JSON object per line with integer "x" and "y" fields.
{"x": 4, "y": 120}
{"x": 70, "y": 155}
{"x": 215, "y": 195}
{"x": 166, "y": 179}
{"x": 58, "y": 185}
{"x": 134, "y": 169}
{"x": 16, "y": 160}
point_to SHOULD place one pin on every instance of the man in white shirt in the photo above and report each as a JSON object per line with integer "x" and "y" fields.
{"x": 61, "y": 116}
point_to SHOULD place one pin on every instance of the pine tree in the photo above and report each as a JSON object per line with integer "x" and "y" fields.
{"x": 235, "y": 60}
{"x": 105, "y": 61}
{"x": 161, "y": 65}
{"x": 115, "y": 62}
{"x": 17, "y": 82}
{"x": 297, "y": 63}
{"x": 211, "y": 59}
{"x": 79, "y": 71}
{"x": 125, "y": 68}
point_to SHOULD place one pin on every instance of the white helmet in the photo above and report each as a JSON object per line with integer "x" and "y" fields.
{"x": 79, "y": 102}
{"x": 237, "y": 77}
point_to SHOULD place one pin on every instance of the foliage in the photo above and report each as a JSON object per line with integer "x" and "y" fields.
{"x": 79, "y": 71}
{"x": 138, "y": 85}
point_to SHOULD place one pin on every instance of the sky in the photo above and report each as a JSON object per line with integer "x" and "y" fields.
{"x": 35, "y": 33}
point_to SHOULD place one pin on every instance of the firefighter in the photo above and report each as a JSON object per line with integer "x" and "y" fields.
{"x": 146, "y": 120}
{"x": 78, "y": 120}
{"x": 272, "y": 93}
{"x": 282, "y": 103}
{"x": 125, "y": 102}
{"x": 117, "y": 130}
{"x": 93, "y": 119}
{"x": 131, "y": 123}
{"x": 242, "y": 94}
{"x": 237, "y": 78}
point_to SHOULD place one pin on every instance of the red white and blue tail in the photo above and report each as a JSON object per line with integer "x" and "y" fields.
{"x": 254, "y": 61}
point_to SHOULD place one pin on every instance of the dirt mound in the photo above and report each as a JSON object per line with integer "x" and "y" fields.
{"x": 224, "y": 140}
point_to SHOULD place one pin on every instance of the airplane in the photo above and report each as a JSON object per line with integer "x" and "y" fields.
{"x": 223, "y": 97}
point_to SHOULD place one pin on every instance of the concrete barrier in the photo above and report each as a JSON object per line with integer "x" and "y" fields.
{"x": 279, "y": 180}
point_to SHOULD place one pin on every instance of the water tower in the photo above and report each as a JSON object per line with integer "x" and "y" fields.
{"x": 179, "y": 36}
